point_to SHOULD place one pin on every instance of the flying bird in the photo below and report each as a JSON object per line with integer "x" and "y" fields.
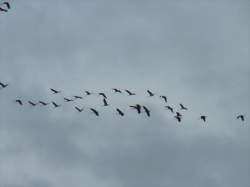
{"x": 183, "y": 107}
{"x": 117, "y": 90}
{"x": 105, "y": 103}
{"x": 178, "y": 114}
{"x": 3, "y": 85}
{"x": 130, "y": 93}
{"x": 103, "y": 95}
{"x": 54, "y": 91}
{"x": 241, "y": 117}
{"x": 79, "y": 109}
{"x": 94, "y": 111}
{"x": 78, "y": 97}
{"x": 203, "y": 118}
{"x": 43, "y": 103}
{"x": 88, "y": 93}
{"x": 19, "y": 101}
{"x": 164, "y": 98}
{"x": 137, "y": 107}
{"x": 178, "y": 118}
{"x": 67, "y": 99}
{"x": 32, "y": 103}
{"x": 146, "y": 110}
{"x": 3, "y": 10}
{"x": 120, "y": 112}
{"x": 151, "y": 94}
{"x": 170, "y": 108}
{"x": 55, "y": 104}
{"x": 7, "y": 4}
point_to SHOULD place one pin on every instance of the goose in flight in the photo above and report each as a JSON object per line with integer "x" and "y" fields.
{"x": 130, "y": 93}
{"x": 137, "y": 107}
{"x": 203, "y": 118}
{"x": 170, "y": 108}
{"x": 178, "y": 118}
{"x": 146, "y": 110}
{"x": 164, "y": 98}
{"x": 241, "y": 117}
{"x": 151, "y": 94}
{"x": 183, "y": 107}
{"x": 117, "y": 90}
{"x": 7, "y": 4}
{"x": 94, "y": 111}
{"x": 55, "y": 104}
{"x": 3, "y": 10}
{"x": 78, "y": 109}
{"x": 54, "y": 91}
{"x": 32, "y": 103}
{"x": 19, "y": 101}
{"x": 119, "y": 112}
{"x": 3, "y": 85}
{"x": 67, "y": 99}
{"x": 78, "y": 97}
{"x": 43, "y": 103}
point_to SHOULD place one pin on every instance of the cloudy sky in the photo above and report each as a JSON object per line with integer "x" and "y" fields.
{"x": 196, "y": 52}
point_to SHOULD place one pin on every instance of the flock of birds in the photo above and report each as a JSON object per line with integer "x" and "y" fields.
{"x": 137, "y": 107}
{"x": 4, "y": 6}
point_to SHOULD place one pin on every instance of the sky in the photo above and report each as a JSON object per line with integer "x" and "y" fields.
{"x": 194, "y": 52}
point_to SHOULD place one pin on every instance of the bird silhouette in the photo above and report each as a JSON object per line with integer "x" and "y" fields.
{"x": 170, "y": 108}
{"x": 164, "y": 98}
{"x": 203, "y": 118}
{"x": 103, "y": 95}
{"x": 120, "y": 112}
{"x": 55, "y": 104}
{"x": 88, "y": 93}
{"x": 43, "y": 103}
{"x": 79, "y": 109}
{"x": 146, "y": 110}
{"x": 78, "y": 97}
{"x": 178, "y": 114}
{"x": 32, "y": 103}
{"x": 151, "y": 94}
{"x": 137, "y": 107}
{"x": 94, "y": 111}
{"x": 7, "y": 4}
{"x": 54, "y": 91}
{"x": 178, "y": 118}
{"x": 130, "y": 93}
{"x": 3, "y": 85}
{"x": 67, "y": 99}
{"x": 117, "y": 90}
{"x": 183, "y": 107}
{"x": 105, "y": 103}
{"x": 241, "y": 117}
{"x": 19, "y": 101}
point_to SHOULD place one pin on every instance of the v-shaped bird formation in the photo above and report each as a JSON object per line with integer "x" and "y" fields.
{"x": 138, "y": 108}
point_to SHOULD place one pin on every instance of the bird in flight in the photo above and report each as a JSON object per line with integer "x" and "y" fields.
{"x": 55, "y": 104}
{"x": 170, "y": 108}
{"x": 7, "y": 4}
{"x": 78, "y": 97}
{"x": 88, "y": 93}
{"x": 54, "y": 91}
{"x": 130, "y": 93}
{"x": 146, "y": 110}
{"x": 3, "y": 10}
{"x": 94, "y": 111}
{"x": 32, "y": 103}
{"x": 178, "y": 114}
{"x": 120, "y": 112}
{"x": 43, "y": 103}
{"x": 164, "y": 98}
{"x": 103, "y": 95}
{"x": 241, "y": 117}
{"x": 151, "y": 94}
{"x": 67, "y": 99}
{"x": 19, "y": 101}
{"x": 183, "y": 107}
{"x": 137, "y": 107}
{"x": 117, "y": 90}
{"x": 178, "y": 118}
{"x": 3, "y": 85}
{"x": 203, "y": 118}
{"x": 105, "y": 103}
{"x": 78, "y": 109}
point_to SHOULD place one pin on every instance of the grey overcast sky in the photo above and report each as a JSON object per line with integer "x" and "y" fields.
{"x": 196, "y": 52}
